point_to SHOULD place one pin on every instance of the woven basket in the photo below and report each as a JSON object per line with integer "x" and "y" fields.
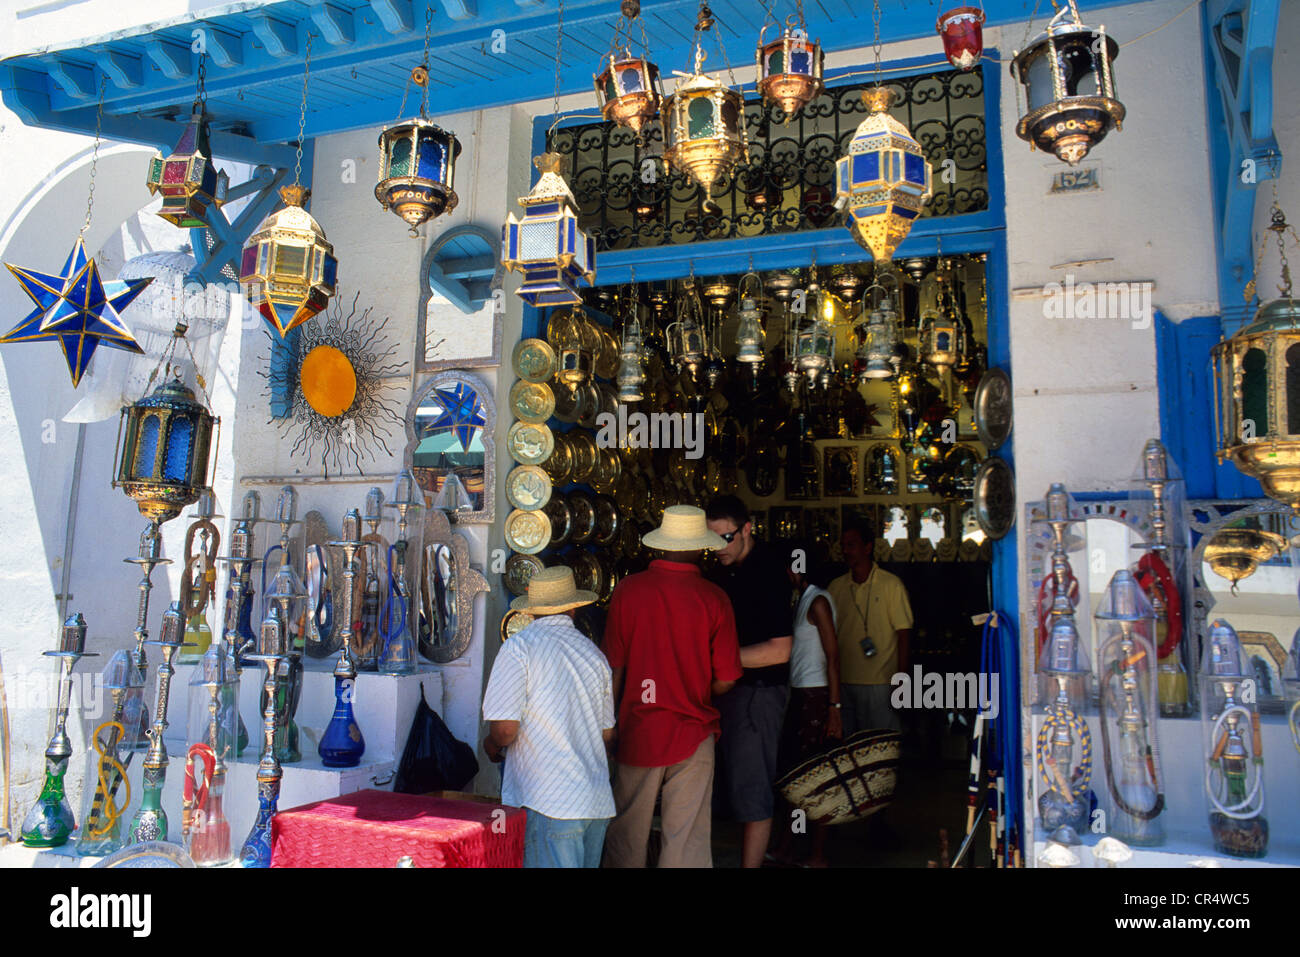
{"x": 849, "y": 782}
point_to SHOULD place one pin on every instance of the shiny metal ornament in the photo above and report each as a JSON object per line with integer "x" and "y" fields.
{"x": 554, "y": 255}
{"x": 789, "y": 69}
{"x": 877, "y": 357}
{"x": 749, "y": 334}
{"x": 289, "y": 270}
{"x": 1069, "y": 88}
{"x": 417, "y": 171}
{"x": 962, "y": 30}
{"x": 628, "y": 90}
{"x": 187, "y": 179}
{"x": 884, "y": 181}
{"x": 704, "y": 129}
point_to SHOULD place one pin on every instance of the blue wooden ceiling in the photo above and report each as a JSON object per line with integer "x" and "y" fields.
{"x": 363, "y": 50}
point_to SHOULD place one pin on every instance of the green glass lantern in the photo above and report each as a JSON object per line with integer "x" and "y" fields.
{"x": 704, "y": 129}
{"x": 187, "y": 179}
{"x": 417, "y": 171}
{"x": 288, "y": 268}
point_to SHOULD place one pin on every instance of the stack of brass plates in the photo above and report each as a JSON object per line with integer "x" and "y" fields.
{"x": 588, "y": 405}
{"x": 520, "y": 570}
{"x": 582, "y": 445}
{"x": 607, "y": 521}
{"x": 528, "y": 487}
{"x": 583, "y": 510}
{"x": 530, "y": 443}
{"x": 559, "y": 466}
{"x": 528, "y": 531}
{"x": 607, "y": 355}
{"x": 567, "y": 401}
{"x": 609, "y": 467}
{"x": 557, "y": 510}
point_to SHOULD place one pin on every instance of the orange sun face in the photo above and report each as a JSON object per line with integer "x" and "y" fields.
{"x": 329, "y": 383}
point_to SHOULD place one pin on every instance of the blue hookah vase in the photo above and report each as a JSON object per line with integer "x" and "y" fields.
{"x": 256, "y": 851}
{"x": 341, "y": 746}
{"x": 398, "y": 655}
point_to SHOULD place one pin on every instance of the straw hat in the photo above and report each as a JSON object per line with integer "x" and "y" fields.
{"x": 552, "y": 591}
{"x": 684, "y": 529}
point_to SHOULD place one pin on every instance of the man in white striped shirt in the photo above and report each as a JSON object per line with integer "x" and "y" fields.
{"x": 550, "y": 708}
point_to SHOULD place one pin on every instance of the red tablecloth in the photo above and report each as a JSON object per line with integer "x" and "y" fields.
{"x": 376, "y": 828}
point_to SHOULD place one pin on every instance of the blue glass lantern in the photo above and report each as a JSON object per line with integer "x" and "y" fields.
{"x": 885, "y": 179}
{"x": 417, "y": 171}
{"x": 547, "y": 246}
{"x": 789, "y": 69}
{"x": 164, "y": 456}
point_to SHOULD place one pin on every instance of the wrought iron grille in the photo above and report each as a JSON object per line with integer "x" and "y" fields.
{"x": 627, "y": 201}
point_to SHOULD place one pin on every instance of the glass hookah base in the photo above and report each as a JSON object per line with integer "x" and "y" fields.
{"x": 1056, "y": 810}
{"x": 1247, "y": 838}
{"x": 99, "y": 846}
{"x": 48, "y": 825}
{"x": 210, "y": 847}
{"x": 340, "y": 759}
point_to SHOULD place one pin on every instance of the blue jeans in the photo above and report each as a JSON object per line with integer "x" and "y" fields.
{"x": 552, "y": 842}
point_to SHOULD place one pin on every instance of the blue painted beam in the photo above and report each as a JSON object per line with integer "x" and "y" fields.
{"x": 279, "y": 38}
{"x": 451, "y": 288}
{"x": 461, "y": 9}
{"x": 335, "y": 24}
{"x": 124, "y": 72}
{"x": 76, "y": 79}
{"x": 226, "y": 50}
{"x": 395, "y": 15}
{"x": 171, "y": 58}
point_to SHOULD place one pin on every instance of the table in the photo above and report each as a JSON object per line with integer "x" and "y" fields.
{"x": 376, "y": 828}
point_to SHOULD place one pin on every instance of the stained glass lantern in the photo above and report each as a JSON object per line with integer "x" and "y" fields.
{"x": 576, "y": 344}
{"x": 1069, "y": 88}
{"x": 188, "y": 181}
{"x": 789, "y": 69}
{"x": 814, "y": 349}
{"x": 288, "y": 269}
{"x": 417, "y": 171}
{"x": 629, "y": 91}
{"x": 962, "y": 30}
{"x": 942, "y": 342}
{"x": 164, "y": 453}
{"x": 704, "y": 130}
{"x": 547, "y": 246}
{"x": 686, "y": 342}
{"x": 885, "y": 179}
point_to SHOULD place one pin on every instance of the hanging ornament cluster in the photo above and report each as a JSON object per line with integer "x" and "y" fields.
{"x": 962, "y": 31}
{"x": 288, "y": 269}
{"x": 1069, "y": 87}
{"x": 417, "y": 158}
{"x": 628, "y": 88}
{"x": 188, "y": 180}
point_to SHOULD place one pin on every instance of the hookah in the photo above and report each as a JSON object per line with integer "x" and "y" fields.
{"x": 341, "y": 746}
{"x": 398, "y": 655}
{"x": 366, "y": 639}
{"x": 150, "y": 821}
{"x": 1127, "y": 708}
{"x": 1063, "y": 668}
{"x": 137, "y": 736}
{"x": 237, "y": 631}
{"x": 1234, "y": 774}
{"x": 1156, "y": 574}
{"x": 256, "y": 851}
{"x": 196, "y": 595}
{"x": 50, "y": 822}
{"x": 204, "y": 827}
{"x": 101, "y": 828}
{"x": 288, "y": 592}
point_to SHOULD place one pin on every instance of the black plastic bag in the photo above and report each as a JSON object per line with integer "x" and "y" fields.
{"x": 434, "y": 759}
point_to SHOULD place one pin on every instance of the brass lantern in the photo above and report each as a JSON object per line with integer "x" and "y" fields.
{"x": 1236, "y": 552}
{"x": 942, "y": 341}
{"x": 628, "y": 90}
{"x": 576, "y": 344}
{"x": 1069, "y": 88}
{"x": 789, "y": 69}
{"x": 704, "y": 127}
{"x": 546, "y": 245}
{"x": 417, "y": 171}
{"x": 885, "y": 179}
{"x": 1257, "y": 387}
{"x": 288, "y": 269}
{"x": 164, "y": 452}
{"x": 188, "y": 181}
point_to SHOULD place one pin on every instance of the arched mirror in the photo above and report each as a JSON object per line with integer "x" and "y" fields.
{"x": 449, "y": 430}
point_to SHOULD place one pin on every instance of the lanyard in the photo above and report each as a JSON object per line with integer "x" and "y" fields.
{"x": 865, "y": 610}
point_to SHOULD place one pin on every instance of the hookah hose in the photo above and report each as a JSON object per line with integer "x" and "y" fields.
{"x": 195, "y": 796}
{"x": 1235, "y": 811}
{"x": 1159, "y": 805}
{"x": 394, "y": 595}
{"x": 1045, "y": 603}
{"x": 1000, "y": 655}
{"x": 104, "y": 805}
{"x": 1063, "y": 716}
{"x": 1152, "y": 572}
{"x": 1291, "y": 720}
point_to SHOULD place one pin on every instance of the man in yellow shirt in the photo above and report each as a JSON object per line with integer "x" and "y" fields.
{"x": 874, "y": 622}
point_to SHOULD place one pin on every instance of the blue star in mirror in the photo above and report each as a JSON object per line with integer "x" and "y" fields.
{"x": 461, "y": 414}
{"x": 77, "y": 309}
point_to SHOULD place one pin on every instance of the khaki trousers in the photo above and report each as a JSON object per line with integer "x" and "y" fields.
{"x": 686, "y": 809}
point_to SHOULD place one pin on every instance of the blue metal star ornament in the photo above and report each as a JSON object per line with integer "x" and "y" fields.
{"x": 460, "y": 415}
{"x": 77, "y": 309}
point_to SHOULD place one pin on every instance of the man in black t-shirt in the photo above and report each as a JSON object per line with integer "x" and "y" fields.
{"x": 755, "y": 580}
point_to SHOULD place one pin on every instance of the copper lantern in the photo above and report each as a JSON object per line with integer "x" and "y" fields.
{"x": 789, "y": 69}
{"x": 629, "y": 91}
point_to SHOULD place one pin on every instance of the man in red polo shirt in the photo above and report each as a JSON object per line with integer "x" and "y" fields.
{"x": 671, "y": 642}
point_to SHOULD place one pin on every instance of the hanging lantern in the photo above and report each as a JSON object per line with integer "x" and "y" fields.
{"x": 163, "y": 457}
{"x": 575, "y": 349}
{"x": 288, "y": 270}
{"x": 628, "y": 90}
{"x": 686, "y": 340}
{"x": 704, "y": 130}
{"x": 1257, "y": 385}
{"x": 942, "y": 343}
{"x": 814, "y": 350}
{"x": 749, "y": 335}
{"x": 1069, "y": 88}
{"x": 789, "y": 69}
{"x": 879, "y": 342}
{"x": 417, "y": 171}
{"x": 186, "y": 178}
{"x": 631, "y": 375}
{"x": 884, "y": 180}
{"x": 962, "y": 30}
{"x": 546, "y": 245}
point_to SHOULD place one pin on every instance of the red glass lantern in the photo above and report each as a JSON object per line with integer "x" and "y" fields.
{"x": 962, "y": 29}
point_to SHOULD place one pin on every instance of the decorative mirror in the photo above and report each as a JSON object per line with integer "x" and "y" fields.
{"x": 462, "y": 308}
{"x": 448, "y": 586}
{"x": 449, "y": 431}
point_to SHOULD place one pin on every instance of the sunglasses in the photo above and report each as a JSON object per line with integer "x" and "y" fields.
{"x": 729, "y": 537}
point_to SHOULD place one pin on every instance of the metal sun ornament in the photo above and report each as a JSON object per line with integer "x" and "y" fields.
{"x": 628, "y": 88}
{"x": 288, "y": 268}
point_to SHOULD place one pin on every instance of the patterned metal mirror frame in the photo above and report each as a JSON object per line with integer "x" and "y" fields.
{"x": 468, "y": 583}
{"x": 487, "y": 514}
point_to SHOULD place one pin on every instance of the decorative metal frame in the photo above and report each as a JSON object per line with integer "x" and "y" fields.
{"x": 496, "y": 292}
{"x": 607, "y": 164}
{"x": 469, "y": 582}
{"x": 487, "y": 514}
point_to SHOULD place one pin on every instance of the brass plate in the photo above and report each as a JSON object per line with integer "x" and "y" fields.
{"x": 588, "y": 575}
{"x": 607, "y": 520}
{"x": 995, "y": 498}
{"x": 527, "y": 532}
{"x": 567, "y": 401}
{"x": 606, "y": 363}
{"x": 520, "y": 570}
{"x": 557, "y": 510}
{"x": 530, "y": 443}
{"x": 560, "y": 464}
{"x": 607, "y": 472}
{"x": 560, "y": 327}
{"x": 533, "y": 360}
{"x": 514, "y": 622}
{"x": 532, "y": 401}
{"x": 608, "y": 398}
{"x": 608, "y": 575}
{"x": 588, "y": 405}
{"x": 583, "y": 510}
{"x": 528, "y": 487}
{"x": 585, "y": 456}
{"x": 992, "y": 405}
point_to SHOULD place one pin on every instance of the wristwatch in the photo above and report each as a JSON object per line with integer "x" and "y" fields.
{"x": 835, "y": 704}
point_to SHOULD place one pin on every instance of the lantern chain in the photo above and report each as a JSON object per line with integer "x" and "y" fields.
{"x": 559, "y": 40}
{"x": 302, "y": 114}
{"x": 875, "y": 40}
{"x": 201, "y": 95}
{"x": 424, "y": 79}
{"x": 1279, "y": 227}
{"x": 94, "y": 157}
